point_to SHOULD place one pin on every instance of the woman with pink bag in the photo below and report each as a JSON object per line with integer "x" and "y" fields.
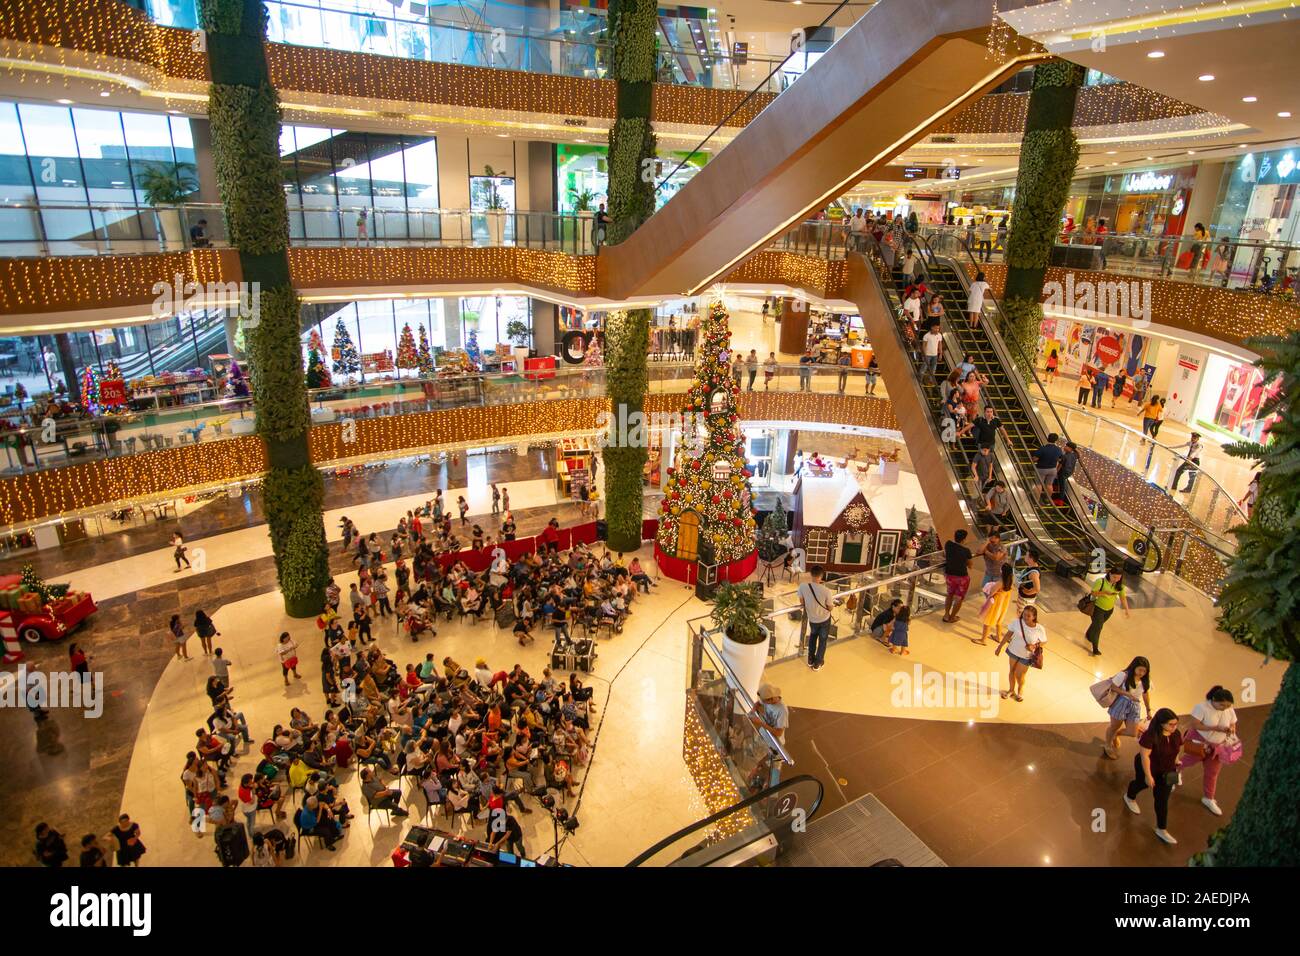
{"x": 1212, "y": 741}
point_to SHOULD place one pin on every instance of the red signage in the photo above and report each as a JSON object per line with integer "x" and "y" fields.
{"x": 537, "y": 367}
{"x": 1108, "y": 349}
{"x": 112, "y": 392}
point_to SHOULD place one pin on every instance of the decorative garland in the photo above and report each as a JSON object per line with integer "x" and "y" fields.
{"x": 1049, "y": 154}
{"x": 245, "y": 119}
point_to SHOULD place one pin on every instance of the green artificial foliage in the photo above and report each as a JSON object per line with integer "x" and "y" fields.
{"x": 627, "y": 338}
{"x": 167, "y": 184}
{"x": 738, "y": 611}
{"x": 1049, "y": 154}
{"x": 244, "y": 114}
{"x": 1260, "y": 605}
{"x": 631, "y": 189}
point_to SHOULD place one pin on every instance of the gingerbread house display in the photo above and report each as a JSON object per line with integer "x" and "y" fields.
{"x": 854, "y": 518}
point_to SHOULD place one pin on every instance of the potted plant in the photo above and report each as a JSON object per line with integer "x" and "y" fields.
{"x": 738, "y": 613}
{"x": 519, "y": 333}
{"x": 167, "y": 185}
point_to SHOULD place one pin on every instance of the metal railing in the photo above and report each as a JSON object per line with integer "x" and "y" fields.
{"x": 28, "y": 230}
{"x": 425, "y": 38}
{"x": 36, "y": 441}
{"x": 1258, "y": 265}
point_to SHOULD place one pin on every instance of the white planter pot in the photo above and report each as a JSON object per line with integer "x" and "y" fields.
{"x": 243, "y": 426}
{"x": 746, "y": 662}
{"x": 169, "y": 226}
{"x": 521, "y": 353}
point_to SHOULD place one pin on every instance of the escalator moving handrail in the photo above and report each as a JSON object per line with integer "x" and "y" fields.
{"x": 728, "y": 811}
{"x": 1003, "y": 322}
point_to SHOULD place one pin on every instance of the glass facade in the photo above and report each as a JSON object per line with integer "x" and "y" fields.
{"x": 585, "y": 169}
{"x": 88, "y": 160}
{"x": 354, "y": 186}
{"x": 1257, "y": 198}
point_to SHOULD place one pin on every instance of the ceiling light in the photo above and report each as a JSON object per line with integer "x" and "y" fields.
{"x": 65, "y": 102}
{"x": 105, "y": 93}
{"x": 1250, "y": 99}
{"x": 1206, "y": 77}
{"x": 1285, "y": 114}
{"x": 1111, "y": 152}
{"x": 1155, "y": 54}
{"x": 1191, "y": 152}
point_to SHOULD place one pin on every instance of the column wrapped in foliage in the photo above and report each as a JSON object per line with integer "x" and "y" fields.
{"x": 244, "y": 112}
{"x": 627, "y": 339}
{"x": 631, "y": 139}
{"x": 1261, "y": 608}
{"x": 1049, "y": 153}
{"x": 631, "y": 202}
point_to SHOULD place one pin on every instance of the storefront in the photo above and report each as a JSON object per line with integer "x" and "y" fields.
{"x": 582, "y": 175}
{"x": 1257, "y": 198}
{"x": 1232, "y": 396}
{"x": 1145, "y": 202}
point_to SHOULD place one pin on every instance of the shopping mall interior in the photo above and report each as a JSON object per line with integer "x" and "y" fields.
{"x": 531, "y": 432}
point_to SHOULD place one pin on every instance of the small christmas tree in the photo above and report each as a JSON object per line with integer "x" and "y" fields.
{"x": 347, "y": 361}
{"x": 407, "y": 356}
{"x": 237, "y": 381}
{"x": 424, "y": 356}
{"x": 31, "y": 581}
{"x": 709, "y": 487}
{"x": 593, "y": 358}
{"x": 318, "y": 373}
{"x": 772, "y": 536}
{"x": 90, "y": 390}
{"x": 113, "y": 371}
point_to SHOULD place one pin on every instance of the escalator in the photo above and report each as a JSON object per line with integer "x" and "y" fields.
{"x": 904, "y": 68}
{"x": 1064, "y": 534}
{"x": 751, "y": 831}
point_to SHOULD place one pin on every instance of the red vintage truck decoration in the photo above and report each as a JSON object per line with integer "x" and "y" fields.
{"x": 32, "y": 611}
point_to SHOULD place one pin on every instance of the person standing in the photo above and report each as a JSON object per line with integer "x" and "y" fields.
{"x": 1106, "y": 590}
{"x": 1085, "y": 386}
{"x": 806, "y": 362}
{"x": 129, "y": 847}
{"x": 1025, "y": 638}
{"x": 751, "y": 366}
{"x": 1251, "y": 496}
{"x": 78, "y": 660}
{"x": 180, "y": 636}
{"x": 505, "y": 499}
{"x": 1190, "y": 463}
{"x": 994, "y": 554}
{"x": 873, "y": 374}
{"x": 1117, "y": 386}
{"x": 178, "y": 544}
{"x": 956, "y": 573}
{"x": 1053, "y": 363}
{"x": 206, "y": 631}
{"x": 737, "y": 369}
{"x": 1150, "y": 415}
{"x": 363, "y": 233}
{"x": 998, "y": 594}
{"x": 931, "y": 350}
{"x": 975, "y": 298}
{"x": 1069, "y": 462}
{"x": 287, "y": 651}
{"x": 769, "y": 369}
{"x": 1132, "y": 693}
{"x": 496, "y": 499}
{"x": 771, "y": 713}
{"x": 50, "y": 851}
{"x": 1047, "y": 461}
{"x": 1030, "y": 582}
{"x": 463, "y": 506}
{"x": 1214, "y": 725}
{"x": 817, "y": 602}
{"x": 898, "y": 632}
{"x": 1099, "y": 384}
{"x": 1155, "y": 768}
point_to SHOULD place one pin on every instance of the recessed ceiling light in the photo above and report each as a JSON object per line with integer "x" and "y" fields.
{"x": 65, "y": 102}
{"x": 1155, "y": 54}
{"x": 1151, "y": 159}
{"x": 1191, "y": 152}
{"x": 1285, "y": 114}
{"x": 503, "y": 135}
{"x": 103, "y": 92}
{"x": 1206, "y": 77}
{"x": 1111, "y": 152}
{"x": 1250, "y": 99}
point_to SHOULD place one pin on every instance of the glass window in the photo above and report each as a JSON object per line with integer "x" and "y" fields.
{"x": 376, "y": 338}
{"x": 19, "y": 228}
{"x": 316, "y": 179}
{"x": 56, "y": 169}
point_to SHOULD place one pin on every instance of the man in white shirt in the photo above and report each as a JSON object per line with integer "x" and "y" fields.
{"x": 931, "y": 348}
{"x": 1189, "y": 464}
{"x": 858, "y": 230}
{"x": 817, "y": 602}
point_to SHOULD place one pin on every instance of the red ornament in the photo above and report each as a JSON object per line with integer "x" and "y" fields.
{"x": 715, "y": 499}
{"x": 727, "y": 495}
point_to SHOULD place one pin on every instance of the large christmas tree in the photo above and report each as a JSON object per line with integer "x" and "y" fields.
{"x": 709, "y": 483}
{"x": 407, "y": 357}
{"x": 424, "y": 356}
{"x": 348, "y": 361}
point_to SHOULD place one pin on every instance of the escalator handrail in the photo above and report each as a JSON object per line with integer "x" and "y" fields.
{"x": 1029, "y": 522}
{"x": 997, "y": 340}
{"x": 713, "y": 818}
